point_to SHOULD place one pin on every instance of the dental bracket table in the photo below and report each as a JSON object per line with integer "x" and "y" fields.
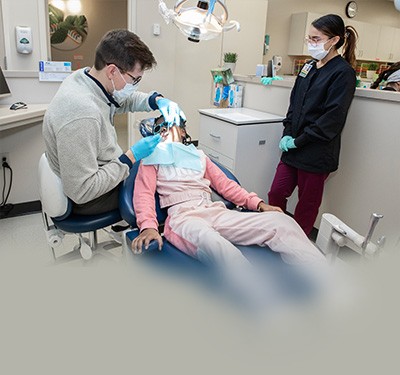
{"x": 15, "y": 118}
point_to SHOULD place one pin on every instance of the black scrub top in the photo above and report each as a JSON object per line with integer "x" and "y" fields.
{"x": 318, "y": 108}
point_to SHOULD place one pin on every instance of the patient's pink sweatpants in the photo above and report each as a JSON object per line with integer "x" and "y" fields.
{"x": 208, "y": 231}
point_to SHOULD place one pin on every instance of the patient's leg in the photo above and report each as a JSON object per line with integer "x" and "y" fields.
{"x": 273, "y": 229}
{"x": 192, "y": 233}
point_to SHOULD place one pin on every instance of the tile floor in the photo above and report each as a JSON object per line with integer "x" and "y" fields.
{"x": 23, "y": 241}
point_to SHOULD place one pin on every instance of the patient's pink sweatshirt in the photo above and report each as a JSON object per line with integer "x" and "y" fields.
{"x": 177, "y": 185}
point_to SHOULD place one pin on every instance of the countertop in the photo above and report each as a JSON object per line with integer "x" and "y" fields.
{"x": 241, "y": 116}
{"x": 11, "y": 119}
{"x": 288, "y": 82}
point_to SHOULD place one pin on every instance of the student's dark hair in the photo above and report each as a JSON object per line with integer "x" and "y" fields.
{"x": 385, "y": 75}
{"x": 332, "y": 25}
{"x": 124, "y": 49}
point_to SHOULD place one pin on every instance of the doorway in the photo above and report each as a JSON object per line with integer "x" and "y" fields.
{"x": 79, "y": 48}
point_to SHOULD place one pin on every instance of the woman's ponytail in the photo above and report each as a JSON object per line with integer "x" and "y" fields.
{"x": 349, "y": 47}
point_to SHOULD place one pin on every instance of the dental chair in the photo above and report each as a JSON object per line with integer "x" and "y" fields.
{"x": 172, "y": 259}
{"x": 59, "y": 219}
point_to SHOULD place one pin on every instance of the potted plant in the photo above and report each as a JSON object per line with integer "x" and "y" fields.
{"x": 230, "y": 59}
{"x": 372, "y": 68}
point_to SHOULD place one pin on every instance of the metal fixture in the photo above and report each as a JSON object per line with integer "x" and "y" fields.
{"x": 200, "y": 22}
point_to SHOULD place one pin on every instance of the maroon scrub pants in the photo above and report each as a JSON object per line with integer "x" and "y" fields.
{"x": 310, "y": 190}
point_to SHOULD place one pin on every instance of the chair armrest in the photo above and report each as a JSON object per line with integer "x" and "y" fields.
{"x": 131, "y": 235}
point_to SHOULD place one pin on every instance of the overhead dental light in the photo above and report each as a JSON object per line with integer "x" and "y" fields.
{"x": 199, "y": 22}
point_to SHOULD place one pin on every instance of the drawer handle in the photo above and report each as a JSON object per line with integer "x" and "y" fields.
{"x": 215, "y": 136}
{"x": 213, "y": 156}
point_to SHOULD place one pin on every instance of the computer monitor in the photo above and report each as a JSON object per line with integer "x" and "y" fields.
{"x": 4, "y": 89}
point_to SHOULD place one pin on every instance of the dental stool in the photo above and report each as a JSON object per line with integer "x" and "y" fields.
{"x": 58, "y": 207}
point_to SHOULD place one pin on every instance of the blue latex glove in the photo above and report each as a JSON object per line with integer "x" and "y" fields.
{"x": 145, "y": 146}
{"x": 218, "y": 79}
{"x": 171, "y": 111}
{"x": 286, "y": 143}
{"x": 268, "y": 80}
{"x": 225, "y": 92}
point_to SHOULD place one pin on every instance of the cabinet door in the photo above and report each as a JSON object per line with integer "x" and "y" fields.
{"x": 368, "y": 36}
{"x": 395, "y": 54}
{"x": 385, "y": 43}
{"x": 370, "y": 39}
{"x": 218, "y": 135}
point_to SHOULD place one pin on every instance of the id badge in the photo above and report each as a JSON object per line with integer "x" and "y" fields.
{"x": 306, "y": 69}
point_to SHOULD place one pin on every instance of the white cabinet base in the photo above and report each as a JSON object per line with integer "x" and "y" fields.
{"x": 250, "y": 151}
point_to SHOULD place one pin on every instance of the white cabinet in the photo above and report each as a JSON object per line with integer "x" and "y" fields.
{"x": 388, "y": 44}
{"x": 395, "y": 52}
{"x": 384, "y": 50}
{"x": 299, "y": 28}
{"x": 245, "y": 141}
{"x": 368, "y": 37}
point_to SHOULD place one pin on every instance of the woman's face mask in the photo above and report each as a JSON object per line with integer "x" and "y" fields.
{"x": 318, "y": 51}
{"x": 122, "y": 95}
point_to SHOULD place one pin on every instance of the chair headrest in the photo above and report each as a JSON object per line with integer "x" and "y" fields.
{"x": 54, "y": 201}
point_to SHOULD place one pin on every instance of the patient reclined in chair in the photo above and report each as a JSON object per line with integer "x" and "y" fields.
{"x": 183, "y": 177}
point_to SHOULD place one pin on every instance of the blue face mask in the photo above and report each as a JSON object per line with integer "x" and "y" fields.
{"x": 122, "y": 95}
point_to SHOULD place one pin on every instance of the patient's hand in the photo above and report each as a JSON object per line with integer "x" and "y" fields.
{"x": 144, "y": 238}
{"x": 263, "y": 207}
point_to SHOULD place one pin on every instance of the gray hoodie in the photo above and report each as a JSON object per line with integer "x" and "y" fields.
{"x": 81, "y": 140}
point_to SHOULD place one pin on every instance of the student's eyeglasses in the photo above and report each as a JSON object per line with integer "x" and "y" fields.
{"x": 135, "y": 80}
{"x": 314, "y": 40}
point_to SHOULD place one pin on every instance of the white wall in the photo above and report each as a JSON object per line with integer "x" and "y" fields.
{"x": 24, "y": 13}
{"x": 25, "y": 144}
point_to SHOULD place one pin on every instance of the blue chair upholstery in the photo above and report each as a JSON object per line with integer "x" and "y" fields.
{"x": 86, "y": 223}
{"x": 58, "y": 207}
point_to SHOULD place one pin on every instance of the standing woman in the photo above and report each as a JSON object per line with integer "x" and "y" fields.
{"x": 318, "y": 108}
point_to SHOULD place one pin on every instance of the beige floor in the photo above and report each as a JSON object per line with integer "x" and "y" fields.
{"x": 23, "y": 241}
{"x": 102, "y": 317}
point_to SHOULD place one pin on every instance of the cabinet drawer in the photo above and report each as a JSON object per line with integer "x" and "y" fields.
{"x": 218, "y": 157}
{"x": 218, "y": 135}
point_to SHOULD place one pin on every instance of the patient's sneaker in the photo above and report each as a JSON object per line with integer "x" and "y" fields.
{"x": 117, "y": 231}
{"x": 120, "y": 226}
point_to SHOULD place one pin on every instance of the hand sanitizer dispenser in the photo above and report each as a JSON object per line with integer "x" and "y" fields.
{"x": 23, "y": 36}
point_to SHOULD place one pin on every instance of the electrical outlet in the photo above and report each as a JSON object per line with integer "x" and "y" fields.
{"x": 4, "y": 155}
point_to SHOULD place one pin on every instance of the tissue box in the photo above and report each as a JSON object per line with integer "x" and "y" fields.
{"x": 261, "y": 70}
{"x": 235, "y": 96}
{"x": 217, "y": 94}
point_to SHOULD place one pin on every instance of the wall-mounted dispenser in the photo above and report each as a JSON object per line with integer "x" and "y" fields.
{"x": 23, "y": 40}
